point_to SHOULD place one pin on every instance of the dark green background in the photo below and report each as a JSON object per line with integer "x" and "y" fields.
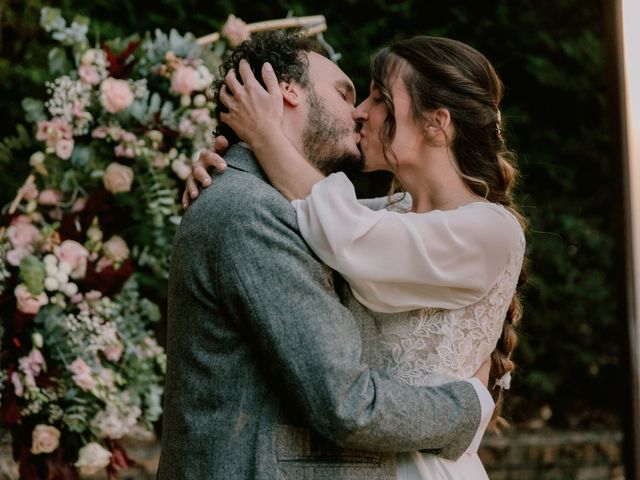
{"x": 552, "y": 56}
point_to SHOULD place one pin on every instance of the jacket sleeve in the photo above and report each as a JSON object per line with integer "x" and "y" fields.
{"x": 269, "y": 277}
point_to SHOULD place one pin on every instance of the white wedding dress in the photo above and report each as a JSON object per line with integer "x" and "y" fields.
{"x": 438, "y": 284}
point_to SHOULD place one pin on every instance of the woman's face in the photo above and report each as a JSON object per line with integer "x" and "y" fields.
{"x": 372, "y": 112}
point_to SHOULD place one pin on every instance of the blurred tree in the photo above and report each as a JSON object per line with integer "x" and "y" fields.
{"x": 551, "y": 56}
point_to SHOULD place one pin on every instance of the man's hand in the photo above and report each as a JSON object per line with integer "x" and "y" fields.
{"x": 199, "y": 175}
{"x": 483, "y": 372}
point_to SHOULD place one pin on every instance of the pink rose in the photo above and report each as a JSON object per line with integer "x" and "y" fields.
{"x": 64, "y": 148}
{"x": 100, "y": 132}
{"x": 235, "y": 31}
{"x": 26, "y": 302}
{"x": 32, "y": 364}
{"x": 187, "y": 128}
{"x": 116, "y": 95}
{"x": 82, "y": 374}
{"x": 118, "y": 178}
{"x": 85, "y": 382}
{"x": 51, "y": 132}
{"x": 79, "y": 367}
{"x": 22, "y": 235}
{"x": 185, "y": 80}
{"x": 116, "y": 249}
{"x": 113, "y": 352}
{"x": 15, "y": 256}
{"x": 50, "y": 197}
{"x": 201, "y": 115}
{"x": 122, "y": 151}
{"x": 75, "y": 255}
{"x": 18, "y": 388}
{"x": 89, "y": 74}
{"x": 44, "y": 439}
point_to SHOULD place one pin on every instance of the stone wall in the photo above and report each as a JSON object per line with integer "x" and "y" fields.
{"x": 540, "y": 455}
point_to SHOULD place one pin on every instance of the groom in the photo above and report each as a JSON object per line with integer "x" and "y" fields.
{"x": 265, "y": 371}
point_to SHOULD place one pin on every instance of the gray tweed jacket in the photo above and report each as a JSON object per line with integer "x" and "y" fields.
{"x": 265, "y": 373}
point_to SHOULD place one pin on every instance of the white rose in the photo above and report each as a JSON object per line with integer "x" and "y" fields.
{"x": 116, "y": 249}
{"x": 92, "y": 458}
{"x": 44, "y": 439}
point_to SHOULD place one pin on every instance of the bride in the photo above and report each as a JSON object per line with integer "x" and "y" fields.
{"x": 438, "y": 266}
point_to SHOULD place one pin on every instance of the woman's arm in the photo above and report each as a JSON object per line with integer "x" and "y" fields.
{"x": 255, "y": 115}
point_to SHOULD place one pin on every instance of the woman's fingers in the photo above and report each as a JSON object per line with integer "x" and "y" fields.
{"x": 220, "y": 144}
{"x": 191, "y": 187}
{"x": 209, "y": 158}
{"x": 232, "y": 83}
{"x": 186, "y": 201}
{"x": 246, "y": 74}
{"x": 227, "y": 99}
{"x": 270, "y": 79}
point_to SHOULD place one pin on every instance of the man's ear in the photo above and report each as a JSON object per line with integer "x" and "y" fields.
{"x": 291, "y": 93}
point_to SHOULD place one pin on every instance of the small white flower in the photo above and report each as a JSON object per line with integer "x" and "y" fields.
{"x": 70, "y": 289}
{"x": 185, "y": 100}
{"x": 50, "y": 259}
{"x": 36, "y": 159}
{"x": 64, "y": 267}
{"x": 62, "y": 277}
{"x": 504, "y": 381}
{"x": 51, "y": 284}
{"x": 51, "y": 269}
{"x": 200, "y": 100}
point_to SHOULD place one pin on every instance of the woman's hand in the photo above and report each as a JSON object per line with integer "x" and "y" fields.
{"x": 255, "y": 114}
{"x": 199, "y": 175}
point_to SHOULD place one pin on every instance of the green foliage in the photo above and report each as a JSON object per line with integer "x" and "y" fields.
{"x": 551, "y": 56}
{"x": 32, "y": 273}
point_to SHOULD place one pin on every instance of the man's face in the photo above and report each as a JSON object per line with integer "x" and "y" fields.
{"x": 330, "y": 137}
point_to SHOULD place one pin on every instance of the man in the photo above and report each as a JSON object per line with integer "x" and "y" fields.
{"x": 260, "y": 349}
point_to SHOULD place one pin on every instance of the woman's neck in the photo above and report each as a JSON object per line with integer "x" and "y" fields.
{"x": 434, "y": 183}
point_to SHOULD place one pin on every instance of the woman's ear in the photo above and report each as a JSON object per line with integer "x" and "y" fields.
{"x": 291, "y": 93}
{"x": 438, "y": 120}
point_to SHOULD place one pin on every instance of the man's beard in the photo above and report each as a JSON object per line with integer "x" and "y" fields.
{"x": 321, "y": 140}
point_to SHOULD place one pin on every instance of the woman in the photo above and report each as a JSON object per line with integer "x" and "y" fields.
{"x": 440, "y": 267}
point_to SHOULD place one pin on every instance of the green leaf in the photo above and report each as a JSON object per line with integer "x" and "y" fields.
{"x": 33, "y": 109}
{"x": 82, "y": 155}
{"x": 33, "y": 273}
{"x": 58, "y": 62}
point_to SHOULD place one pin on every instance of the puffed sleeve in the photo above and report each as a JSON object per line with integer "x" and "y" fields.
{"x": 403, "y": 261}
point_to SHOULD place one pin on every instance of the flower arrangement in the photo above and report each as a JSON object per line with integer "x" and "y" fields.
{"x": 86, "y": 242}
{"x": 89, "y": 232}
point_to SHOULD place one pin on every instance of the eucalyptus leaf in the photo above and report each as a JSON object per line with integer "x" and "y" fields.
{"x": 51, "y": 19}
{"x": 33, "y": 109}
{"x": 82, "y": 155}
{"x": 58, "y": 62}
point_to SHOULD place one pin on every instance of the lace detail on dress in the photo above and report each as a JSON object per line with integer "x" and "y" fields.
{"x": 432, "y": 346}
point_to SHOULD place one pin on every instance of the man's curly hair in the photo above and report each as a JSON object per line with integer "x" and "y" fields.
{"x": 281, "y": 49}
